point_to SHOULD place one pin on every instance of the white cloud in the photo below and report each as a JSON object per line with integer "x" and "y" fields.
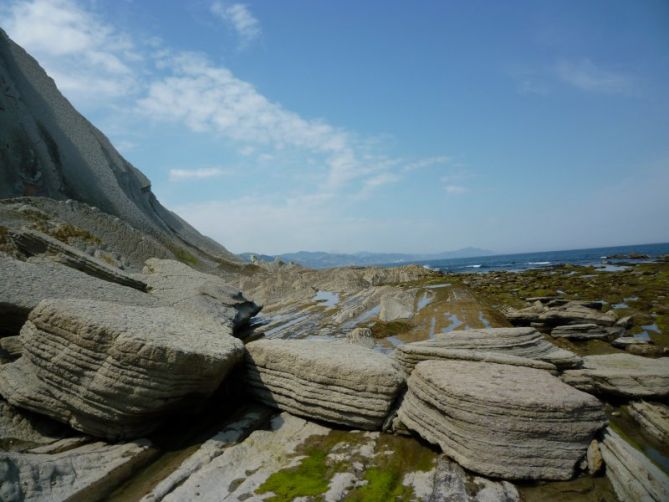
{"x": 381, "y": 179}
{"x": 240, "y": 18}
{"x": 427, "y": 162}
{"x": 197, "y": 174}
{"x": 587, "y": 76}
{"x": 86, "y": 57}
{"x": 455, "y": 189}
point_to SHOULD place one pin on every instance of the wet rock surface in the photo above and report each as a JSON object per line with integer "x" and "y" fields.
{"x": 332, "y": 381}
{"x": 113, "y": 370}
{"x": 502, "y": 421}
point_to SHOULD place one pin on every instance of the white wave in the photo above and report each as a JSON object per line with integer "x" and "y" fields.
{"x": 473, "y": 266}
{"x": 539, "y": 263}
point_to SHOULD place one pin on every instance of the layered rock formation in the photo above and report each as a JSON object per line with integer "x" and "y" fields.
{"x": 623, "y": 375}
{"x": 52, "y": 151}
{"x": 587, "y": 331}
{"x": 507, "y": 345}
{"x": 502, "y": 421}
{"x": 652, "y": 417}
{"x": 633, "y": 475}
{"x": 115, "y": 371}
{"x": 336, "y": 382}
{"x": 561, "y": 313}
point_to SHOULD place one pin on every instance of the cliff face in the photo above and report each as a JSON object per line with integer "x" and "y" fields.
{"x": 48, "y": 149}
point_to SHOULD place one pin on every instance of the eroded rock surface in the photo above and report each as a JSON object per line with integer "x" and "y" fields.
{"x": 623, "y": 375}
{"x": 502, "y": 421}
{"x": 570, "y": 312}
{"x": 326, "y": 380}
{"x": 652, "y": 417}
{"x": 112, "y": 370}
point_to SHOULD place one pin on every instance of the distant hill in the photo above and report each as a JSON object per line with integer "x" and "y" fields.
{"x": 319, "y": 259}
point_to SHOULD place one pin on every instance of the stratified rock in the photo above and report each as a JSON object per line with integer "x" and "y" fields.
{"x": 33, "y": 242}
{"x": 326, "y": 380}
{"x": 572, "y": 312}
{"x": 632, "y": 474}
{"x": 88, "y": 472}
{"x": 361, "y": 336}
{"x": 24, "y": 284}
{"x": 525, "y": 343}
{"x": 624, "y": 375}
{"x": 115, "y": 371}
{"x": 410, "y": 354}
{"x": 652, "y": 417}
{"x": 12, "y": 346}
{"x": 203, "y": 296}
{"x": 587, "y": 331}
{"x": 20, "y": 428}
{"x": 501, "y": 421}
{"x": 397, "y": 305}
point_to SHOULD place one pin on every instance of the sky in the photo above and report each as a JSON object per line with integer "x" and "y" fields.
{"x": 383, "y": 125}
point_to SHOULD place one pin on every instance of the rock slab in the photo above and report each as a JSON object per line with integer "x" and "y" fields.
{"x": 333, "y": 381}
{"x": 114, "y": 371}
{"x": 502, "y": 421}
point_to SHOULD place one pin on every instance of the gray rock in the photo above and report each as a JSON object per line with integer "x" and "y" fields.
{"x": 115, "y": 371}
{"x": 623, "y": 375}
{"x": 632, "y": 474}
{"x": 24, "y": 284}
{"x": 652, "y": 417}
{"x": 587, "y": 331}
{"x": 12, "y": 345}
{"x": 397, "y": 305}
{"x": 87, "y": 472}
{"x": 326, "y": 380}
{"x": 361, "y": 336}
{"x": 501, "y": 421}
{"x": 525, "y": 343}
{"x": 20, "y": 429}
{"x": 572, "y": 312}
{"x": 203, "y": 296}
{"x": 33, "y": 242}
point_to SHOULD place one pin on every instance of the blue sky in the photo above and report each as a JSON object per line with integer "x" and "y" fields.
{"x": 278, "y": 126}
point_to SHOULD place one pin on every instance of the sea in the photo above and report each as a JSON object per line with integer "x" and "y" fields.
{"x": 598, "y": 257}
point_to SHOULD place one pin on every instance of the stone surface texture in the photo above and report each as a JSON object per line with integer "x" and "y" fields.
{"x": 325, "y": 380}
{"x": 502, "y": 421}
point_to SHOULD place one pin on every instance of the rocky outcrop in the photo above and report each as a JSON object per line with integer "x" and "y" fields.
{"x": 501, "y": 421}
{"x": 571, "y": 312}
{"x": 325, "y": 380}
{"x": 361, "y": 336}
{"x": 624, "y": 375}
{"x": 397, "y": 305}
{"x": 88, "y": 472}
{"x": 652, "y": 417}
{"x": 115, "y": 371}
{"x": 203, "y": 296}
{"x": 20, "y": 428}
{"x": 50, "y": 150}
{"x": 410, "y": 354}
{"x": 587, "y": 331}
{"x": 24, "y": 284}
{"x": 632, "y": 474}
{"x": 525, "y": 343}
{"x": 33, "y": 243}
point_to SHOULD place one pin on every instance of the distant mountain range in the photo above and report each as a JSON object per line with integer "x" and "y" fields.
{"x": 319, "y": 259}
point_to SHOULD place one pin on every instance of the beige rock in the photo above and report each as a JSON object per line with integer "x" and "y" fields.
{"x": 501, "y": 421}
{"x": 594, "y": 457}
{"x": 397, "y": 305}
{"x": 115, "y": 371}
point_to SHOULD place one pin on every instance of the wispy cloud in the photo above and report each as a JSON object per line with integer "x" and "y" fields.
{"x": 240, "y": 18}
{"x": 84, "y": 55}
{"x": 197, "y": 174}
{"x": 427, "y": 162}
{"x": 455, "y": 189}
{"x": 587, "y": 76}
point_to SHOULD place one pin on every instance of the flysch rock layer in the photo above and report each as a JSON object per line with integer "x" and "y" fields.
{"x": 632, "y": 474}
{"x": 572, "y": 312}
{"x": 652, "y": 417}
{"x": 332, "y": 381}
{"x": 86, "y": 472}
{"x": 623, "y": 375}
{"x": 502, "y": 421}
{"x": 521, "y": 342}
{"x": 587, "y": 331}
{"x": 24, "y": 284}
{"x": 201, "y": 295}
{"x": 114, "y": 371}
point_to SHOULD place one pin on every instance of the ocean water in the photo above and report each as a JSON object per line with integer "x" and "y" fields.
{"x": 516, "y": 262}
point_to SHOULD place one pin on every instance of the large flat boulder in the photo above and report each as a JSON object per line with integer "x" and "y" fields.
{"x": 332, "y": 381}
{"x": 632, "y": 474}
{"x": 204, "y": 296}
{"x": 115, "y": 371}
{"x": 652, "y": 417}
{"x": 522, "y": 342}
{"x": 502, "y": 421}
{"x": 624, "y": 375}
{"x": 571, "y": 312}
